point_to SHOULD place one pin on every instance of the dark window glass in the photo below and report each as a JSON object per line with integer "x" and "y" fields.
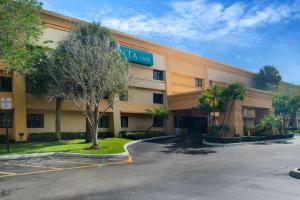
{"x": 124, "y": 121}
{"x": 158, "y": 75}
{"x": 158, "y": 98}
{"x": 158, "y": 122}
{"x": 104, "y": 122}
{"x": 106, "y": 96}
{"x": 3, "y": 120}
{"x": 124, "y": 96}
{"x": 198, "y": 82}
{"x": 35, "y": 121}
{"x": 210, "y": 83}
{"x": 5, "y": 84}
{"x": 175, "y": 122}
{"x": 183, "y": 122}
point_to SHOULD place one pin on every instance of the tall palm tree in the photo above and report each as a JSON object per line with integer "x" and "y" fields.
{"x": 232, "y": 93}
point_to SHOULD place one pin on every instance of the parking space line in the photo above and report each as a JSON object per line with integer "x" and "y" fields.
{"x": 65, "y": 161}
{"x": 7, "y": 173}
{"x": 52, "y": 169}
{"x": 33, "y": 166}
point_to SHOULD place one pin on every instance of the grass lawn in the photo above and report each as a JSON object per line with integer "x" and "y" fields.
{"x": 109, "y": 145}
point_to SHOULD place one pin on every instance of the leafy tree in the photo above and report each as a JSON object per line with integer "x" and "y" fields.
{"x": 270, "y": 122}
{"x": 86, "y": 67}
{"x": 211, "y": 101}
{"x": 159, "y": 113}
{"x": 21, "y": 26}
{"x": 281, "y": 103}
{"x": 267, "y": 77}
{"x": 295, "y": 108}
{"x": 232, "y": 93}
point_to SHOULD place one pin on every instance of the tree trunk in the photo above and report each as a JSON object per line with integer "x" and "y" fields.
{"x": 87, "y": 126}
{"x": 293, "y": 120}
{"x": 58, "y": 117}
{"x": 95, "y": 128}
{"x": 229, "y": 113}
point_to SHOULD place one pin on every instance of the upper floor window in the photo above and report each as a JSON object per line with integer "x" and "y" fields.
{"x": 198, "y": 82}
{"x": 35, "y": 121}
{"x": 5, "y": 84}
{"x": 158, "y": 98}
{"x": 158, "y": 75}
{"x": 211, "y": 83}
{"x": 104, "y": 122}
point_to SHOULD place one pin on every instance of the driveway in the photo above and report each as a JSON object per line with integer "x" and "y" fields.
{"x": 179, "y": 168}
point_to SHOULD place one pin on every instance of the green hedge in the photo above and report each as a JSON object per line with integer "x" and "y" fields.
{"x": 227, "y": 140}
{"x": 51, "y": 136}
{"x": 136, "y": 135}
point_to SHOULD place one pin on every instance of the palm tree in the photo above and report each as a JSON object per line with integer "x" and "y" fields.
{"x": 211, "y": 101}
{"x": 232, "y": 93}
{"x": 157, "y": 113}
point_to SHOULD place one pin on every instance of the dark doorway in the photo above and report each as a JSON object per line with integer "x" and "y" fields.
{"x": 198, "y": 125}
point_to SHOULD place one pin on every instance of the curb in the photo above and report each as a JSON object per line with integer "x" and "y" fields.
{"x": 124, "y": 155}
{"x": 295, "y": 173}
{"x": 241, "y": 143}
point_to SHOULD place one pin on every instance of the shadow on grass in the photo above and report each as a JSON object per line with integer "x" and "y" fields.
{"x": 189, "y": 144}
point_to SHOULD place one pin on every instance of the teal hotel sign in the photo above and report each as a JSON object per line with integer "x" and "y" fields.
{"x": 136, "y": 56}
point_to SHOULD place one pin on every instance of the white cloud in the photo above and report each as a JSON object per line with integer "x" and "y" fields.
{"x": 201, "y": 20}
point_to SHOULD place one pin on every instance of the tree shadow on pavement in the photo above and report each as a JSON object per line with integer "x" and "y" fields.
{"x": 190, "y": 144}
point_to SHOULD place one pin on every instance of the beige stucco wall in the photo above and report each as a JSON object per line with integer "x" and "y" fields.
{"x": 139, "y": 122}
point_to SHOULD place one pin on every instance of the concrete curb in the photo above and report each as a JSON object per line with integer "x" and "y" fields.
{"x": 125, "y": 154}
{"x": 295, "y": 173}
{"x": 241, "y": 143}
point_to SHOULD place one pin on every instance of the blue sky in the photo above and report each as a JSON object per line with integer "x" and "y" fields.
{"x": 247, "y": 34}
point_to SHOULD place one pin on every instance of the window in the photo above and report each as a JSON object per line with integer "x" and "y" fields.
{"x": 35, "y": 121}
{"x": 124, "y": 121}
{"x": 158, "y": 98}
{"x": 104, "y": 122}
{"x": 158, "y": 122}
{"x": 106, "y": 96}
{"x": 5, "y": 84}
{"x": 198, "y": 82}
{"x": 158, "y": 75}
{"x": 124, "y": 96}
{"x": 3, "y": 120}
{"x": 210, "y": 83}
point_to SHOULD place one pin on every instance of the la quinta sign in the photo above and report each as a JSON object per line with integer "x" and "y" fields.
{"x": 136, "y": 56}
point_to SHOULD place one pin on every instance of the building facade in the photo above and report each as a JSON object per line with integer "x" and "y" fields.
{"x": 162, "y": 76}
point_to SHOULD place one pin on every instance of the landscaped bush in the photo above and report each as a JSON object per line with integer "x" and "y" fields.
{"x": 224, "y": 140}
{"x": 227, "y": 140}
{"x": 51, "y": 136}
{"x": 136, "y": 135}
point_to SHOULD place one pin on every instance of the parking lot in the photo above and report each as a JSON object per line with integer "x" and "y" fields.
{"x": 52, "y": 164}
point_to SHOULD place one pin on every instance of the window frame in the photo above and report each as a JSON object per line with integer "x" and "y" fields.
{"x": 199, "y": 82}
{"x": 127, "y": 121}
{"x": 160, "y": 100}
{"x": 2, "y": 80}
{"x": 158, "y": 75}
{"x": 101, "y": 123}
{"x": 10, "y": 119}
{"x": 33, "y": 124}
{"x": 158, "y": 122}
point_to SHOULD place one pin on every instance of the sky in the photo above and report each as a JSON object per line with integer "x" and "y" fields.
{"x": 247, "y": 34}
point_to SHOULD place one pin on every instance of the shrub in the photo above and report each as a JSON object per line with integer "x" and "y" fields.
{"x": 136, "y": 135}
{"x": 224, "y": 140}
{"x": 51, "y": 136}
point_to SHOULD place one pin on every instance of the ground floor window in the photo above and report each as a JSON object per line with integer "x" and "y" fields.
{"x": 3, "y": 119}
{"x": 35, "y": 121}
{"x": 158, "y": 122}
{"x": 104, "y": 122}
{"x": 124, "y": 121}
{"x": 181, "y": 122}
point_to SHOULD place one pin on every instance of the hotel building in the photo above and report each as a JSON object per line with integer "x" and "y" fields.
{"x": 163, "y": 76}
